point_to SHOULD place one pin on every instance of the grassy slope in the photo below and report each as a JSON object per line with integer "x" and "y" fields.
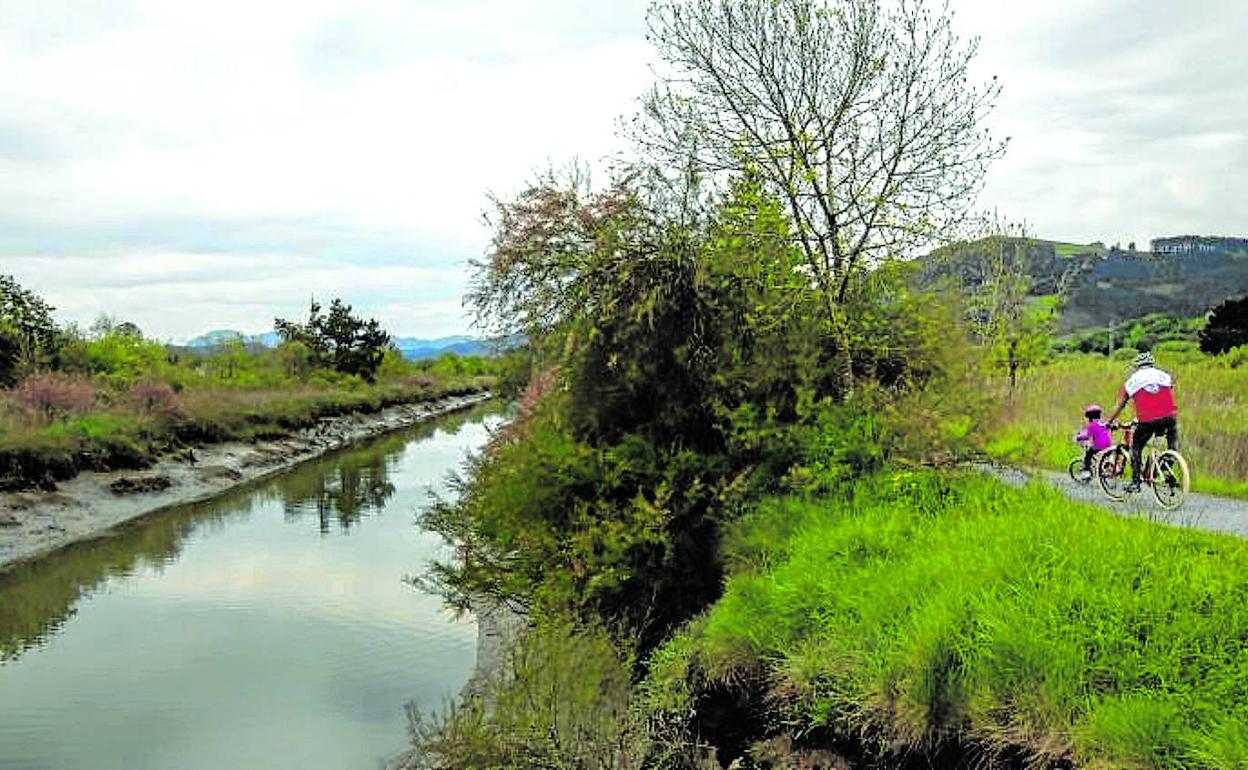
{"x": 1072, "y": 249}
{"x": 1213, "y": 415}
{"x": 932, "y": 606}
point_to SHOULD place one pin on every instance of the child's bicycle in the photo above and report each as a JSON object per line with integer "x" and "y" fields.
{"x": 1075, "y": 469}
{"x": 1166, "y": 473}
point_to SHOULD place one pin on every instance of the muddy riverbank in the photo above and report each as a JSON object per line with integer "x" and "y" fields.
{"x": 35, "y": 523}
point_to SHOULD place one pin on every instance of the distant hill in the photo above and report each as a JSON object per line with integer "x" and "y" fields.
{"x": 1106, "y": 286}
{"x": 412, "y": 348}
{"x": 415, "y": 348}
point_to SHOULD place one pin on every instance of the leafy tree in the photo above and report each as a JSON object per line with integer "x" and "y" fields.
{"x": 672, "y": 364}
{"x": 28, "y": 335}
{"x": 1227, "y": 327}
{"x": 340, "y": 340}
{"x": 859, "y": 117}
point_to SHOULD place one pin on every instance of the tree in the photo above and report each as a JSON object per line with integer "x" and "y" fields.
{"x": 346, "y": 343}
{"x": 1227, "y": 327}
{"x": 28, "y": 335}
{"x": 1015, "y": 327}
{"x": 858, "y": 115}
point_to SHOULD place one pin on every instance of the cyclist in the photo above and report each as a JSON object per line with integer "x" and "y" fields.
{"x": 1095, "y": 438}
{"x": 1151, "y": 389}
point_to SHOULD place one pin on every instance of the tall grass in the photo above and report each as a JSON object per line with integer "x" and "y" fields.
{"x": 1036, "y": 426}
{"x": 924, "y": 608}
{"x": 127, "y": 429}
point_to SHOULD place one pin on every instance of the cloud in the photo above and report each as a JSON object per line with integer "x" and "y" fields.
{"x": 1126, "y": 117}
{"x": 360, "y": 136}
{"x": 319, "y": 145}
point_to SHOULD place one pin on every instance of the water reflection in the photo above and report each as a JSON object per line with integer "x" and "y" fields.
{"x": 37, "y": 598}
{"x": 358, "y": 484}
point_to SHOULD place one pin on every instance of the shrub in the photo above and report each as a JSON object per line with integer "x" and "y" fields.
{"x": 1236, "y": 357}
{"x": 152, "y": 397}
{"x": 56, "y": 394}
{"x": 1176, "y": 346}
{"x": 1227, "y": 327}
{"x": 561, "y": 700}
{"x": 419, "y": 381}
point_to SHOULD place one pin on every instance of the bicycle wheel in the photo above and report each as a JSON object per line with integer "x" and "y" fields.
{"x": 1172, "y": 480}
{"x": 1112, "y": 469}
{"x": 1075, "y": 469}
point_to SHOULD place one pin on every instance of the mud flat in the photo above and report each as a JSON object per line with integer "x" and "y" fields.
{"x": 88, "y": 505}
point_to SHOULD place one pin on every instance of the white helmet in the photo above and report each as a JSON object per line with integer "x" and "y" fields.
{"x": 1144, "y": 359}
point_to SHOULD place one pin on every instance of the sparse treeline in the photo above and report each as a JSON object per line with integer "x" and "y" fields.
{"x": 728, "y": 488}
{"x": 108, "y": 397}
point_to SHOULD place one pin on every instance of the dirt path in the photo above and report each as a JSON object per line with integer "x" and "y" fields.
{"x": 1215, "y": 514}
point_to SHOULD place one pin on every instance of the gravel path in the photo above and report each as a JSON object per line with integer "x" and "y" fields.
{"x": 1215, "y": 514}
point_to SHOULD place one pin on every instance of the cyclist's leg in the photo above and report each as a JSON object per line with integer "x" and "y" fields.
{"x": 1088, "y": 454}
{"x": 1172, "y": 433}
{"x": 1143, "y": 432}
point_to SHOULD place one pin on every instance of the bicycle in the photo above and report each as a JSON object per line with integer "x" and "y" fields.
{"x": 1166, "y": 473}
{"x": 1075, "y": 469}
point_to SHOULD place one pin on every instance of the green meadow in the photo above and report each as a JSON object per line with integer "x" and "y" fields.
{"x": 914, "y": 608}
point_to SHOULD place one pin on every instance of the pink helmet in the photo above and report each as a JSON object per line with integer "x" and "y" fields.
{"x": 1090, "y": 408}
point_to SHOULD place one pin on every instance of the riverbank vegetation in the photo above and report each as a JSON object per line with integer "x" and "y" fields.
{"x": 110, "y": 398}
{"x": 728, "y": 503}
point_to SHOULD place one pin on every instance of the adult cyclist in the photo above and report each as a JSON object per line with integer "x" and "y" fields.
{"x": 1151, "y": 390}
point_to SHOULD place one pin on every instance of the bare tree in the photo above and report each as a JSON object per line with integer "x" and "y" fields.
{"x": 858, "y": 114}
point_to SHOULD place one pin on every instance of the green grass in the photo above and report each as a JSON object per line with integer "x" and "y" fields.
{"x": 935, "y": 606}
{"x": 1071, "y": 249}
{"x": 36, "y": 451}
{"x": 1036, "y": 427}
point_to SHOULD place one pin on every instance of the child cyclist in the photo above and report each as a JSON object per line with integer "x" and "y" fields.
{"x": 1095, "y": 436}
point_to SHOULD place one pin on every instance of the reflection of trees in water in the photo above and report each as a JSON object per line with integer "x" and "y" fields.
{"x": 344, "y": 490}
{"x": 348, "y": 485}
{"x": 37, "y": 598}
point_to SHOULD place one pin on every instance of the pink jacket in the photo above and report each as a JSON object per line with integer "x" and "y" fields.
{"x": 1097, "y": 435}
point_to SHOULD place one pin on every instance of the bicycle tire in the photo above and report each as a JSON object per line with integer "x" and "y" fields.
{"x": 1074, "y": 469}
{"x": 1172, "y": 479}
{"x": 1110, "y": 470}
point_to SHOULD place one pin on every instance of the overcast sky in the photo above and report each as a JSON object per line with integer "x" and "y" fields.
{"x": 190, "y": 166}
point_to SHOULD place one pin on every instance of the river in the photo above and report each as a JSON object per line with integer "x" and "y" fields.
{"x": 267, "y": 628}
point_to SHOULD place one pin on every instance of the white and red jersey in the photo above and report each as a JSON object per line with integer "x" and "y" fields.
{"x": 1152, "y": 391}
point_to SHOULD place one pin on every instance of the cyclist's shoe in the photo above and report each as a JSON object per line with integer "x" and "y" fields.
{"x": 1131, "y": 487}
{"x": 1085, "y": 475}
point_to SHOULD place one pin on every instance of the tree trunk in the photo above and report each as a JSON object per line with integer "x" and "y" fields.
{"x": 844, "y": 362}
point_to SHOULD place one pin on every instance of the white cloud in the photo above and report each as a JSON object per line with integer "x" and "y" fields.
{"x": 143, "y": 133}
{"x": 395, "y": 118}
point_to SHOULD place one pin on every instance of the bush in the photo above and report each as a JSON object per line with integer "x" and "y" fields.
{"x": 562, "y": 700}
{"x": 1227, "y": 327}
{"x": 1176, "y": 346}
{"x": 152, "y": 397}
{"x": 1235, "y": 357}
{"x": 54, "y": 394}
